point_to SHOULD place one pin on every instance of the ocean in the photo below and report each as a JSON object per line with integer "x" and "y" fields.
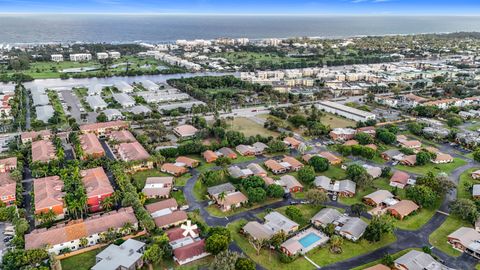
{"x": 15, "y": 28}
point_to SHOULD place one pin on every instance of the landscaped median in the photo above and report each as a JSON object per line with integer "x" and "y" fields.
{"x": 439, "y": 237}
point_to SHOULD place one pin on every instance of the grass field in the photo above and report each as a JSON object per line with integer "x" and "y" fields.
{"x": 140, "y": 177}
{"x": 199, "y": 191}
{"x": 435, "y": 168}
{"x": 83, "y": 261}
{"x": 465, "y": 178}
{"x": 249, "y": 127}
{"x": 439, "y": 237}
{"x": 335, "y": 121}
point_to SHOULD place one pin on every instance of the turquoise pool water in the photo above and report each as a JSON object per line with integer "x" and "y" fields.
{"x": 309, "y": 239}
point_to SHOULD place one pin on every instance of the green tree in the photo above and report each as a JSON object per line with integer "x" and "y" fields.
{"x": 224, "y": 260}
{"x": 102, "y": 117}
{"x": 316, "y": 196}
{"x": 320, "y": 164}
{"x": 386, "y": 137}
{"x": 253, "y": 182}
{"x": 275, "y": 191}
{"x": 358, "y": 209}
{"x": 423, "y": 158}
{"x": 336, "y": 243}
{"x": 306, "y": 174}
{"x": 454, "y": 121}
{"x": 422, "y": 195}
{"x": 378, "y": 227}
{"x": 294, "y": 213}
{"x": 257, "y": 194}
{"x": 216, "y": 243}
{"x": 153, "y": 254}
{"x": 244, "y": 264}
{"x": 363, "y": 138}
{"x": 465, "y": 209}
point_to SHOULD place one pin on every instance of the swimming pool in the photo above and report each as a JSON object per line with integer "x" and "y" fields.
{"x": 309, "y": 239}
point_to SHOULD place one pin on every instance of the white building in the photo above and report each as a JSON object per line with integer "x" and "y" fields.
{"x": 96, "y": 103}
{"x": 114, "y": 55}
{"x": 345, "y": 111}
{"x": 44, "y": 113}
{"x": 123, "y": 87}
{"x": 78, "y": 57}
{"x": 102, "y": 55}
{"x": 57, "y": 57}
{"x": 124, "y": 100}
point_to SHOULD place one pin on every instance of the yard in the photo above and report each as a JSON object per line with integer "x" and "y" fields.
{"x": 83, "y": 261}
{"x": 435, "y": 168}
{"x": 466, "y": 178}
{"x": 439, "y": 237}
{"x": 179, "y": 197}
{"x": 335, "y": 121}
{"x": 182, "y": 180}
{"x": 140, "y": 177}
{"x": 335, "y": 173}
{"x": 249, "y": 127}
{"x": 199, "y": 191}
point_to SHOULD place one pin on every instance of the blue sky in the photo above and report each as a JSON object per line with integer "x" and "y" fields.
{"x": 357, "y": 7}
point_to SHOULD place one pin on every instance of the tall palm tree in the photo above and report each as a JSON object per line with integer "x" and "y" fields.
{"x": 127, "y": 228}
{"x": 336, "y": 244}
{"x": 107, "y": 203}
{"x": 222, "y": 196}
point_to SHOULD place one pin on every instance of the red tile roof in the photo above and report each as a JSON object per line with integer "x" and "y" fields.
{"x": 96, "y": 182}
{"x": 48, "y": 192}
{"x": 154, "y": 207}
{"x": 7, "y": 185}
{"x": 189, "y": 251}
{"x": 177, "y": 233}
{"x": 103, "y": 126}
{"x": 172, "y": 218}
{"x": 91, "y": 145}
{"x": 122, "y": 136}
{"x": 43, "y": 151}
{"x": 132, "y": 151}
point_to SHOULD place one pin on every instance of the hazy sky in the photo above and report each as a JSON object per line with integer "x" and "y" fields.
{"x": 358, "y": 7}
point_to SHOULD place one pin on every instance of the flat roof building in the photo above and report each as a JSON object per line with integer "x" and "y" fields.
{"x": 345, "y": 111}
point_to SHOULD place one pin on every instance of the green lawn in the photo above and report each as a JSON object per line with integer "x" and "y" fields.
{"x": 435, "y": 168}
{"x": 335, "y": 121}
{"x": 140, "y": 177}
{"x": 199, "y": 191}
{"x": 324, "y": 257}
{"x": 465, "y": 178}
{"x": 249, "y": 127}
{"x": 241, "y": 159}
{"x": 308, "y": 211}
{"x": 335, "y": 172}
{"x": 83, "y": 261}
{"x": 182, "y": 180}
{"x": 179, "y": 196}
{"x": 416, "y": 221}
{"x": 395, "y": 256}
{"x": 215, "y": 211}
{"x": 439, "y": 237}
{"x": 380, "y": 183}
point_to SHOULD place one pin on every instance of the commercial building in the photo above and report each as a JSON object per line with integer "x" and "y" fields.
{"x": 79, "y": 57}
{"x": 345, "y": 111}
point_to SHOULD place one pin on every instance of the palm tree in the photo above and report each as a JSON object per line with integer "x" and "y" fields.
{"x": 83, "y": 242}
{"x": 127, "y": 228}
{"x": 107, "y": 203}
{"x": 142, "y": 197}
{"x": 336, "y": 244}
{"x": 222, "y": 196}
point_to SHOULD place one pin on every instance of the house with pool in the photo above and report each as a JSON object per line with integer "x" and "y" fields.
{"x": 303, "y": 242}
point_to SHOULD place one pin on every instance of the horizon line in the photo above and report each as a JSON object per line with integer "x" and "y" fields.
{"x": 244, "y": 14}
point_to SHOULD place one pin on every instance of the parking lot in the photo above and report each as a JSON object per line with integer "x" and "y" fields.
{"x": 3, "y": 244}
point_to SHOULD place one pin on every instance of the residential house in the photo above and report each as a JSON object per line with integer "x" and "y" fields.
{"x": 176, "y": 169}
{"x": 48, "y": 195}
{"x": 442, "y": 158}
{"x": 185, "y": 131}
{"x": 190, "y": 253}
{"x": 368, "y": 130}
{"x": 246, "y": 150}
{"x": 342, "y": 134}
{"x": 113, "y": 114}
{"x": 165, "y": 213}
{"x": 399, "y": 179}
{"x": 466, "y": 240}
{"x": 392, "y": 154}
{"x": 325, "y": 217}
{"x": 257, "y": 231}
{"x": 476, "y": 191}
{"x": 226, "y": 188}
{"x": 210, "y": 156}
{"x": 31, "y": 136}
{"x": 8, "y": 188}
{"x": 344, "y": 188}
{"x": 158, "y": 187}
{"x": 373, "y": 171}
{"x": 123, "y": 87}
{"x": 257, "y": 170}
{"x": 124, "y": 100}
{"x": 236, "y": 172}
{"x": 189, "y": 162}
{"x": 292, "y": 142}
{"x": 332, "y": 159}
{"x": 476, "y": 174}
{"x": 290, "y": 184}
{"x": 231, "y": 200}
{"x": 353, "y": 228}
{"x": 98, "y": 187}
{"x": 69, "y": 235}
{"x": 410, "y": 160}
{"x": 96, "y": 103}
{"x": 103, "y": 127}
{"x": 134, "y": 151}
{"x": 43, "y": 151}
{"x": 322, "y": 182}
{"x": 378, "y": 197}
{"x": 128, "y": 255}
{"x": 416, "y": 260}
{"x": 402, "y": 209}
{"x": 8, "y": 164}
{"x": 91, "y": 146}
{"x": 121, "y": 136}
{"x": 227, "y": 152}
{"x": 260, "y": 148}
{"x": 275, "y": 167}
{"x": 277, "y": 222}
{"x": 294, "y": 164}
